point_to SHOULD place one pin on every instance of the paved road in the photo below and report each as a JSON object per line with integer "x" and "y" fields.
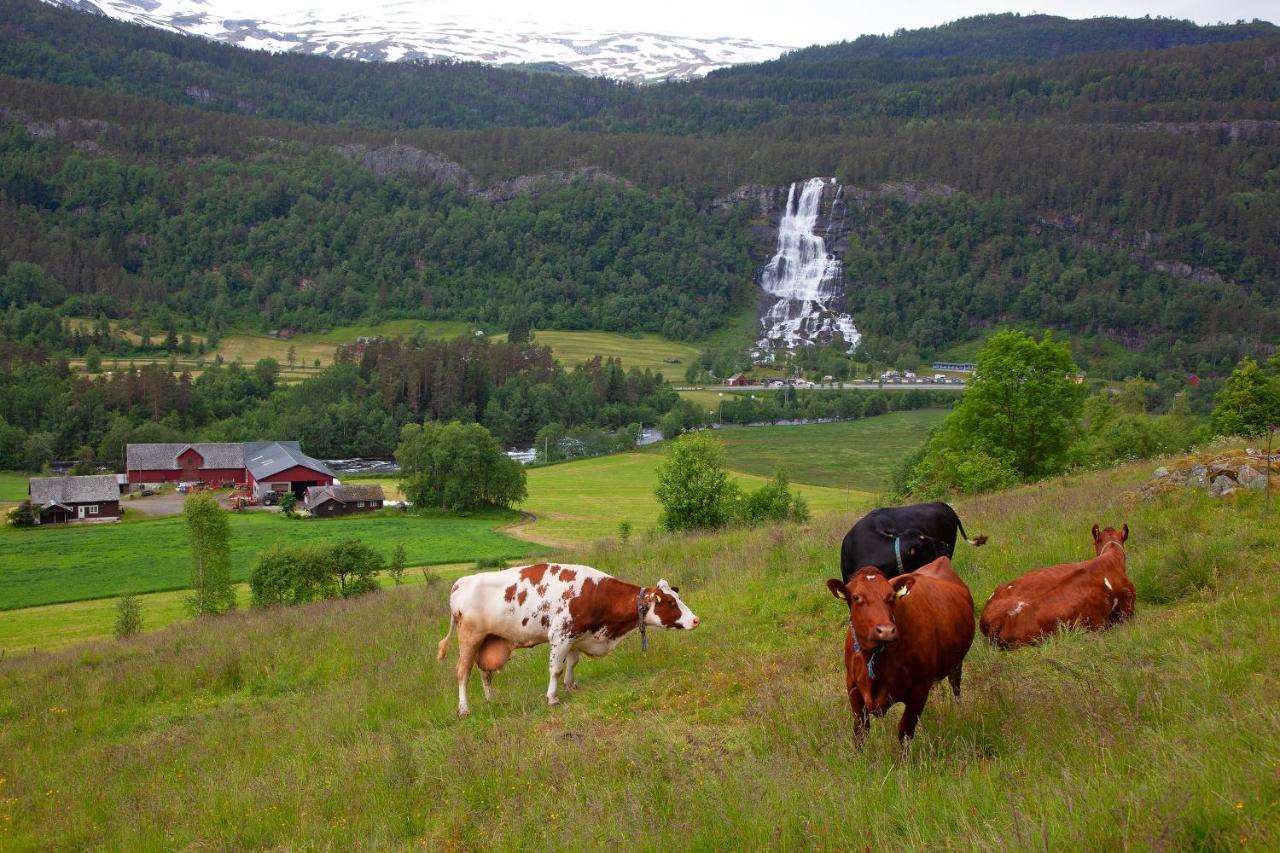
{"x": 846, "y": 386}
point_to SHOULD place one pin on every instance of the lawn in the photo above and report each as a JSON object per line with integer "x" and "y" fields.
{"x": 332, "y": 726}
{"x": 52, "y": 626}
{"x": 586, "y": 500}
{"x": 13, "y": 487}
{"x": 74, "y": 563}
{"x": 645, "y": 351}
{"x": 857, "y": 454}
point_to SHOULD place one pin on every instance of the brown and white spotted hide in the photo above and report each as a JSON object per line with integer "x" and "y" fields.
{"x": 577, "y": 609}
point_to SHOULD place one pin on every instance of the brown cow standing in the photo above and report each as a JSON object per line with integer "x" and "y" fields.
{"x": 904, "y": 636}
{"x": 1092, "y": 595}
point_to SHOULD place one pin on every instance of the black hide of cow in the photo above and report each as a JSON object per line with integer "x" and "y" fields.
{"x": 921, "y": 533}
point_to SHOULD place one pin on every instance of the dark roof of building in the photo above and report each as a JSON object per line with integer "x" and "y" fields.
{"x": 164, "y": 457}
{"x": 317, "y": 495}
{"x": 46, "y": 491}
{"x": 266, "y": 458}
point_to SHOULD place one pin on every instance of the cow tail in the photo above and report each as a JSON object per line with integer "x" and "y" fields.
{"x": 443, "y": 648}
{"x": 977, "y": 541}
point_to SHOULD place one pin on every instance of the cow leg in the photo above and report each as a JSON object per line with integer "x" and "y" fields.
{"x": 915, "y": 707}
{"x": 486, "y": 678}
{"x": 570, "y": 661}
{"x": 559, "y": 653}
{"x": 469, "y": 643}
{"x": 954, "y": 678}
{"x": 861, "y": 720}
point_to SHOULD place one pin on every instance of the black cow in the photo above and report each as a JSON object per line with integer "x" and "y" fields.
{"x": 899, "y": 539}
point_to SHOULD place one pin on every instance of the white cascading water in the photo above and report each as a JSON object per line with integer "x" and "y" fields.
{"x": 803, "y": 278}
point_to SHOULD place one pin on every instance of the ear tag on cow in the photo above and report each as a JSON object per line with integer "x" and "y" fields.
{"x": 903, "y": 590}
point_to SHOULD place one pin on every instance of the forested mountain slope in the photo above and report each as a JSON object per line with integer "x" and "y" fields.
{"x": 1130, "y": 196}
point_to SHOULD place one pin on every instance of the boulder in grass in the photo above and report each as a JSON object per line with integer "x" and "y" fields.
{"x": 1222, "y": 486}
{"x": 1250, "y": 477}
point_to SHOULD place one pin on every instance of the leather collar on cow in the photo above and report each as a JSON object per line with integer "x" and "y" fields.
{"x": 857, "y": 647}
{"x": 1108, "y": 544}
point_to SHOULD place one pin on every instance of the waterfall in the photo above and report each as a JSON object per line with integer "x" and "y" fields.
{"x": 803, "y": 278}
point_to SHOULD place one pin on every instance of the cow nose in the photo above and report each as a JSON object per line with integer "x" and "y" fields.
{"x": 887, "y": 633}
{"x": 695, "y": 622}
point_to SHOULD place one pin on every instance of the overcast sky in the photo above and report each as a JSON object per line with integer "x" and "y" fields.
{"x": 790, "y": 23}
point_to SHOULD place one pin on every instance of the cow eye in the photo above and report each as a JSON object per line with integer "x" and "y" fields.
{"x": 857, "y": 599}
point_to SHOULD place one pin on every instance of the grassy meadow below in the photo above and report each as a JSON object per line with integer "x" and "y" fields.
{"x": 581, "y": 501}
{"x": 48, "y": 565}
{"x": 858, "y": 454}
{"x": 13, "y": 487}
{"x": 332, "y": 725}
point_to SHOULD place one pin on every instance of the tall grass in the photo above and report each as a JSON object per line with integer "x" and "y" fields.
{"x": 332, "y": 725}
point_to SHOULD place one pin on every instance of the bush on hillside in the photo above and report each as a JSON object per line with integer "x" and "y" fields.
{"x": 285, "y": 575}
{"x": 128, "y": 617}
{"x": 23, "y": 515}
{"x": 693, "y": 487}
{"x": 696, "y": 493}
{"x": 774, "y": 501}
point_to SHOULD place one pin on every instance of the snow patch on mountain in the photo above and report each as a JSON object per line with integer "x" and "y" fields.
{"x": 402, "y": 30}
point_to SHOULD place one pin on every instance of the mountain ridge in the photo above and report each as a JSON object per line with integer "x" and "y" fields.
{"x": 395, "y": 32}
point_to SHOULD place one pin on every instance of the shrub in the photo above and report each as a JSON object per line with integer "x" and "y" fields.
{"x": 693, "y": 488}
{"x": 283, "y": 575}
{"x": 128, "y": 617}
{"x": 396, "y": 567}
{"x": 23, "y": 515}
{"x": 773, "y": 501}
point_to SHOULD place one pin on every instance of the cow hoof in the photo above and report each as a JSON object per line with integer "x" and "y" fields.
{"x": 553, "y": 700}
{"x": 464, "y": 712}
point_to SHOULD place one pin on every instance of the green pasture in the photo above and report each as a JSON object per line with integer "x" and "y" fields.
{"x": 13, "y": 487}
{"x": 332, "y": 725}
{"x": 857, "y": 454}
{"x": 586, "y": 500}
{"x": 55, "y": 625}
{"x": 48, "y": 565}
{"x": 644, "y": 351}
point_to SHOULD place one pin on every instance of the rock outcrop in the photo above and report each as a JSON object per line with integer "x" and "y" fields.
{"x": 1221, "y": 474}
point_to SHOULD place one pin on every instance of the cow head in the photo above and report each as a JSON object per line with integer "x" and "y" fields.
{"x": 1102, "y": 537}
{"x": 918, "y": 548}
{"x": 872, "y": 599}
{"x": 666, "y": 610}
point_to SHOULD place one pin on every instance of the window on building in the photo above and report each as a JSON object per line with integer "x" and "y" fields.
{"x": 93, "y": 510}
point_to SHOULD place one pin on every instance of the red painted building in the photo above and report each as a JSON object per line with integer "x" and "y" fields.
{"x": 209, "y": 462}
{"x": 262, "y": 465}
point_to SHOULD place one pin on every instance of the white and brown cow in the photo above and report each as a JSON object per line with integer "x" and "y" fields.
{"x": 577, "y": 609}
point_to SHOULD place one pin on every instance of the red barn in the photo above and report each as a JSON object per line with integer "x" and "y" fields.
{"x": 264, "y": 466}
{"x": 281, "y": 466}
{"x": 210, "y": 462}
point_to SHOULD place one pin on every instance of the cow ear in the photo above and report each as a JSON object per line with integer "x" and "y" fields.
{"x": 838, "y": 589}
{"x": 1124, "y": 533}
{"x": 902, "y": 584}
{"x": 1095, "y": 531}
{"x": 675, "y": 589}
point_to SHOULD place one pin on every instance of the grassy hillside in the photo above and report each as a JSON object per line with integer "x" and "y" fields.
{"x": 644, "y": 351}
{"x": 850, "y": 454}
{"x": 50, "y": 565}
{"x": 581, "y": 501}
{"x": 13, "y": 487}
{"x": 333, "y": 726}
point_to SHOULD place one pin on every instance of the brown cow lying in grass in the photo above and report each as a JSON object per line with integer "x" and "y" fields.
{"x": 1093, "y": 595}
{"x": 904, "y": 635}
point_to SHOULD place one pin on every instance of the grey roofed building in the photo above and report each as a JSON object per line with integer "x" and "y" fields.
{"x": 164, "y": 457}
{"x": 317, "y": 495}
{"x": 65, "y": 491}
{"x": 265, "y": 459}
